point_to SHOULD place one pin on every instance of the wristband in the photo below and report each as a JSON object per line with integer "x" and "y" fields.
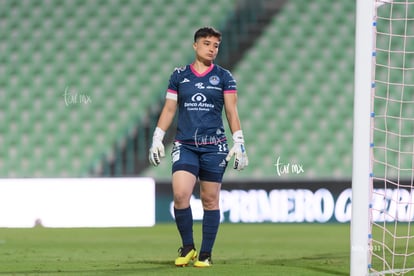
{"x": 159, "y": 134}
{"x": 238, "y": 136}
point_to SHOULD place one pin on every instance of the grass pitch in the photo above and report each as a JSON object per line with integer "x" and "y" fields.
{"x": 240, "y": 249}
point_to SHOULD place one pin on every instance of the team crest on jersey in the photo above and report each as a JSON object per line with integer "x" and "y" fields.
{"x": 214, "y": 80}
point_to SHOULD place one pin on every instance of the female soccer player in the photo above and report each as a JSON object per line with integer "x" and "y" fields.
{"x": 200, "y": 91}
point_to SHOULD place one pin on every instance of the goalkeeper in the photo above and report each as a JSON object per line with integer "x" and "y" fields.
{"x": 200, "y": 152}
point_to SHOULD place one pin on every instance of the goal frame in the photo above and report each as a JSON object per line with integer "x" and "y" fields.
{"x": 362, "y": 121}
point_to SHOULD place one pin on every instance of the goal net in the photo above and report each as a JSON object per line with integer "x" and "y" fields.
{"x": 391, "y": 237}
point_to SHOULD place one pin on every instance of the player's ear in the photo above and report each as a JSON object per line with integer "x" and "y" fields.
{"x": 195, "y": 45}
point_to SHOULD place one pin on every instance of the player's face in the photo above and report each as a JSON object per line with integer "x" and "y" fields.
{"x": 206, "y": 48}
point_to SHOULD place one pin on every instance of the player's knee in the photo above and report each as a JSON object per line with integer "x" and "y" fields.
{"x": 210, "y": 202}
{"x": 181, "y": 200}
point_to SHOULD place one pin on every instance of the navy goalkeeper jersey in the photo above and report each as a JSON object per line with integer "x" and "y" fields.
{"x": 200, "y": 99}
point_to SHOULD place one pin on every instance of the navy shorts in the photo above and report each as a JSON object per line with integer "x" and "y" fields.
{"x": 207, "y": 162}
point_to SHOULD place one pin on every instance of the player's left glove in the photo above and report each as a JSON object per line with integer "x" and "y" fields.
{"x": 240, "y": 156}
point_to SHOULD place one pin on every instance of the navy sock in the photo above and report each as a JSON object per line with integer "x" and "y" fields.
{"x": 211, "y": 222}
{"x": 184, "y": 222}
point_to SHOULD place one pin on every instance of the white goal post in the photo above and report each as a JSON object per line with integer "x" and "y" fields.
{"x": 382, "y": 237}
{"x": 361, "y": 180}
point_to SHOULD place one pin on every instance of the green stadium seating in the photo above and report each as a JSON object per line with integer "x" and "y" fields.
{"x": 119, "y": 54}
{"x": 295, "y": 83}
{"x": 297, "y": 104}
{"x": 299, "y": 107}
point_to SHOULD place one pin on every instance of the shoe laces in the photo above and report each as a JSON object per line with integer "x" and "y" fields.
{"x": 183, "y": 251}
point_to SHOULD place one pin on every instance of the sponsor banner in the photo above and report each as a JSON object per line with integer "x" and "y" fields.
{"x": 77, "y": 202}
{"x": 292, "y": 202}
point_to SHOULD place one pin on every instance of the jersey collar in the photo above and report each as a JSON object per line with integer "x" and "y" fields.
{"x": 204, "y": 73}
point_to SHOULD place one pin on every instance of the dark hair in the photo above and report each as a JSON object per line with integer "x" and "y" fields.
{"x": 206, "y": 32}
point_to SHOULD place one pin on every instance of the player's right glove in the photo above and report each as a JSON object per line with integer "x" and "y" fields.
{"x": 156, "y": 150}
{"x": 240, "y": 156}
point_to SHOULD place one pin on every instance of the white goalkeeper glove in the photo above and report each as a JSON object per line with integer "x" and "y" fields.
{"x": 157, "y": 148}
{"x": 240, "y": 156}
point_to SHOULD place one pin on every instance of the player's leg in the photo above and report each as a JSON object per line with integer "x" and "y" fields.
{"x": 212, "y": 167}
{"x": 183, "y": 185}
{"x": 183, "y": 182}
{"x": 210, "y": 196}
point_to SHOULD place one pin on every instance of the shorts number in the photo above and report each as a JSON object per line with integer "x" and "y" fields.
{"x": 222, "y": 147}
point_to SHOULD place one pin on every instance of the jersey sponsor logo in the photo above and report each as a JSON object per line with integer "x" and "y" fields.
{"x": 199, "y": 85}
{"x": 199, "y": 97}
{"x": 180, "y": 69}
{"x": 214, "y": 80}
{"x": 198, "y": 103}
{"x": 214, "y": 88}
{"x": 175, "y": 154}
{"x": 232, "y": 86}
{"x": 185, "y": 80}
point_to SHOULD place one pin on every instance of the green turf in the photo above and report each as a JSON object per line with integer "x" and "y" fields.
{"x": 240, "y": 249}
